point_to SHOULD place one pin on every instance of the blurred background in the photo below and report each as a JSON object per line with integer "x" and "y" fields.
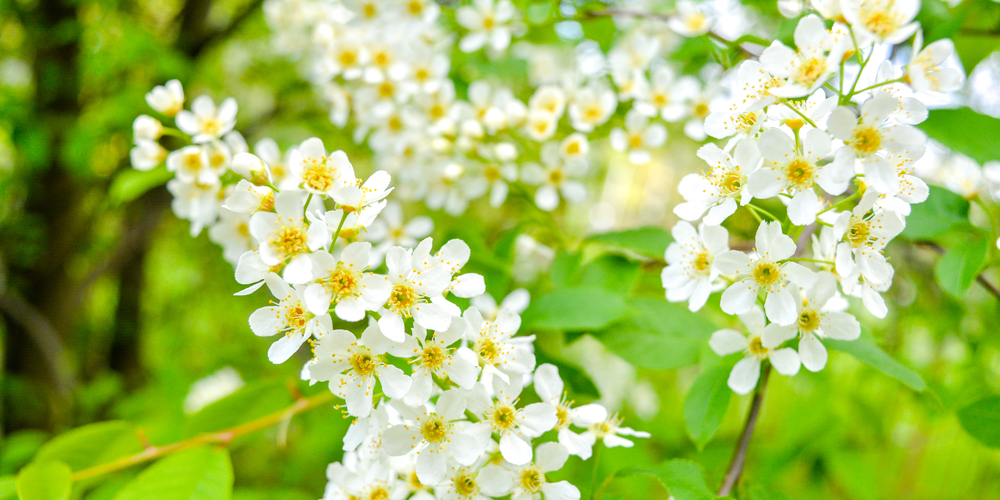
{"x": 111, "y": 311}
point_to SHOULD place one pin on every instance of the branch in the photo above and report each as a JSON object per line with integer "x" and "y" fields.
{"x": 45, "y": 336}
{"x": 981, "y": 278}
{"x": 222, "y": 437}
{"x": 740, "y": 453}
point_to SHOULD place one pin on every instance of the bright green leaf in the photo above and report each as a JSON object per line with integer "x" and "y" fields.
{"x": 684, "y": 480}
{"x": 870, "y": 354}
{"x": 8, "y": 488}
{"x": 959, "y": 266}
{"x": 92, "y": 444}
{"x": 48, "y": 480}
{"x": 130, "y": 184}
{"x": 581, "y": 308}
{"x": 198, "y": 474}
{"x": 982, "y": 420}
{"x": 613, "y": 273}
{"x": 706, "y": 404}
{"x": 654, "y": 314}
{"x": 951, "y": 127}
{"x": 941, "y": 211}
{"x": 647, "y": 241}
{"x": 255, "y": 399}
{"x": 655, "y": 351}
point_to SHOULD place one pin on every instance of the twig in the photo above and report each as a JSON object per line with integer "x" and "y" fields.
{"x": 981, "y": 278}
{"x": 45, "y": 336}
{"x": 222, "y": 437}
{"x": 740, "y": 453}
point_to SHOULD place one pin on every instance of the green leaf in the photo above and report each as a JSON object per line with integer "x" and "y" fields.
{"x": 936, "y": 216}
{"x": 8, "y": 487}
{"x": 951, "y": 127}
{"x": 647, "y": 241}
{"x": 92, "y": 444}
{"x": 870, "y": 354}
{"x": 18, "y": 448}
{"x": 613, "y": 273}
{"x": 683, "y": 479}
{"x": 659, "y": 335}
{"x": 253, "y": 400}
{"x": 982, "y": 420}
{"x": 48, "y": 480}
{"x": 972, "y": 49}
{"x": 959, "y": 266}
{"x": 580, "y": 308}
{"x": 130, "y": 184}
{"x": 706, "y": 404}
{"x": 202, "y": 473}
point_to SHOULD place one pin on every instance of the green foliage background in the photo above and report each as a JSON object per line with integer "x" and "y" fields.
{"x": 137, "y": 310}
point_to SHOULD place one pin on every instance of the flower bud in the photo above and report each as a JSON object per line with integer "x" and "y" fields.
{"x": 147, "y": 128}
{"x": 252, "y": 168}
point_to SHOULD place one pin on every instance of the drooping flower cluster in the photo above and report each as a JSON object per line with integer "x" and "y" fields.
{"x": 451, "y": 423}
{"x": 835, "y": 146}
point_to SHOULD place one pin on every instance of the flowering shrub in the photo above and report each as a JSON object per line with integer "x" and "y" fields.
{"x": 812, "y": 153}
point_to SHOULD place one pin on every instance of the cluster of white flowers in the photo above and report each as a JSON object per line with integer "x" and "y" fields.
{"x": 449, "y": 426}
{"x": 802, "y": 118}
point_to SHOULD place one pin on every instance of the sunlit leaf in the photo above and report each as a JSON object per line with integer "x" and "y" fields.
{"x": 952, "y": 127}
{"x": 684, "y": 480}
{"x": 49, "y": 480}
{"x": 870, "y": 354}
{"x": 91, "y": 444}
{"x": 941, "y": 211}
{"x": 959, "y": 266}
{"x": 647, "y": 241}
{"x": 583, "y": 308}
{"x": 706, "y": 404}
{"x": 202, "y": 473}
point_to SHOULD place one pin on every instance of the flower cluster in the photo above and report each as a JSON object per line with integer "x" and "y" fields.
{"x": 835, "y": 146}
{"x": 451, "y": 423}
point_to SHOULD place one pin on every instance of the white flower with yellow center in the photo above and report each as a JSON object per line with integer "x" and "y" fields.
{"x": 866, "y": 137}
{"x": 925, "y": 72}
{"x": 289, "y": 318}
{"x": 795, "y": 169}
{"x": 638, "y": 137}
{"x": 415, "y": 293}
{"x": 515, "y": 426}
{"x": 610, "y": 432}
{"x": 689, "y": 274}
{"x": 436, "y": 435}
{"x": 473, "y": 483}
{"x": 344, "y": 285}
{"x": 816, "y": 58}
{"x": 195, "y": 201}
{"x": 353, "y": 365}
{"x": 191, "y": 164}
{"x": 718, "y": 190}
{"x": 205, "y": 122}
{"x": 591, "y": 106}
{"x": 498, "y": 353}
{"x": 743, "y": 116}
{"x": 667, "y": 94}
{"x": 489, "y": 25}
{"x": 856, "y": 285}
{"x": 888, "y": 21}
{"x": 319, "y": 173}
{"x": 391, "y": 229}
{"x": 746, "y": 372}
{"x": 232, "y": 232}
{"x": 286, "y": 238}
{"x": 167, "y": 98}
{"x": 434, "y": 356}
{"x": 814, "y": 322}
{"x": 530, "y": 482}
{"x": 555, "y": 178}
{"x": 549, "y": 388}
{"x": 548, "y": 99}
{"x": 357, "y": 479}
{"x": 768, "y": 272}
{"x": 862, "y": 236}
{"x": 691, "y": 19}
{"x": 517, "y": 301}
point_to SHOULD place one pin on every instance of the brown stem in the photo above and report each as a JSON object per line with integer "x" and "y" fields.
{"x": 220, "y": 437}
{"x": 740, "y": 453}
